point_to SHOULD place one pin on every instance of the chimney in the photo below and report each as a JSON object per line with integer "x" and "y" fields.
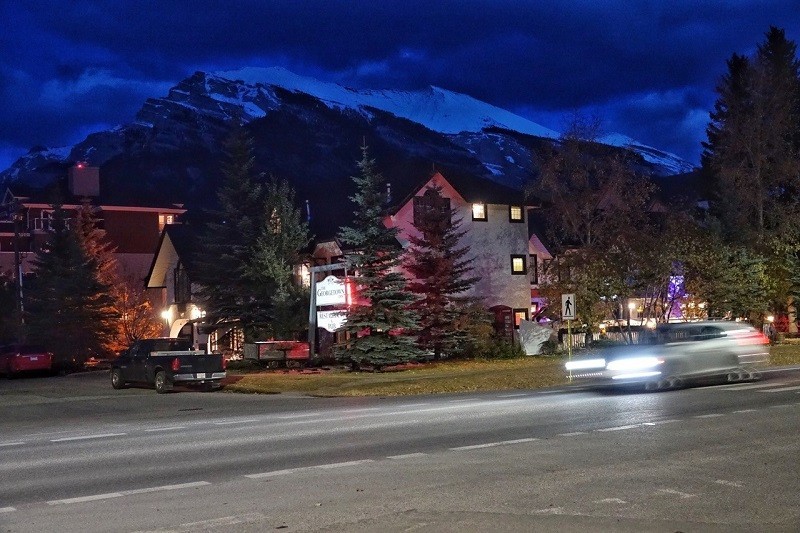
{"x": 84, "y": 180}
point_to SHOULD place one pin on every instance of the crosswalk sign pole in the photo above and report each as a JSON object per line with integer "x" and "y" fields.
{"x": 568, "y": 314}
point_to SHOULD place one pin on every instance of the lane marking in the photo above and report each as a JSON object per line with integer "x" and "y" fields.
{"x": 572, "y": 434}
{"x": 407, "y": 455}
{"x": 164, "y": 429}
{"x": 782, "y": 389}
{"x": 275, "y": 473}
{"x": 301, "y": 415}
{"x": 18, "y": 443}
{"x": 179, "y": 486}
{"x": 7, "y": 509}
{"x": 212, "y": 523}
{"x": 87, "y": 437}
{"x": 781, "y": 406}
{"x": 82, "y": 499}
{"x": 493, "y": 444}
{"x": 710, "y": 415}
{"x": 611, "y": 500}
{"x": 619, "y": 428}
{"x": 345, "y": 464}
{"x": 228, "y": 422}
{"x": 362, "y": 410}
{"x": 517, "y": 395}
{"x": 676, "y": 493}
{"x": 746, "y": 411}
{"x": 550, "y": 510}
{"x": 728, "y": 483}
{"x": 549, "y": 391}
{"x": 109, "y": 495}
{"x": 668, "y": 421}
{"x": 461, "y": 400}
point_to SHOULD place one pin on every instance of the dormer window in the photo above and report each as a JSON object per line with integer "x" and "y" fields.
{"x": 515, "y": 213}
{"x": 164, "y": 219}
{"x": 479, "y": 211}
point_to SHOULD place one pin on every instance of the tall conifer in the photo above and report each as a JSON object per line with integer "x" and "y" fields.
{"x": 379, "y": 324}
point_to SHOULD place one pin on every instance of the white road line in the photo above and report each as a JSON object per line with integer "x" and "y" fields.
{"x": 407, "y": 455}
{"x": 493, "y": 444}
{"x": 345, "y": 464}
{"x": 7, "y": 509}
{"x": 164, "y": 429}
{"x": 620, "y": 428}
{"x": 611, "y": 500}
{"x": 191, "y": 485}
{"x": 668, "y": 421}
{"x": 461, "y": 400}
{"x": 83, "y": 499}
{"x": 782, "y": 389}
{"x": 746, "y": 411}
{"x": 362, "y": 410}
{"x": 781, "y": 406}
{"x": 86, "y": 437}
{"x": 18, "y": 443}
{"x": 228, "y": 422}
{"x": 710, "y": 415}
{"x": 676, "y": 493}
{"x": 109, "y": 495}
{"x": 572, "y": 434}
{"x": 213, "y": 523}
{"x": 728, "y": 483}
{"x": 299, "y": 415}
{"x": 275, "y": 473}
{"x": 517, "y": 395}
{"x": 549, "y": 391}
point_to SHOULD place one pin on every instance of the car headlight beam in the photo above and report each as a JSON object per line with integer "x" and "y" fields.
{"x": 584, "y": 364}
{"x": 634, "y": 363}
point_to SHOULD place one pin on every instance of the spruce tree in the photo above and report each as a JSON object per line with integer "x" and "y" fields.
{"x": 379, "y": 324}
{"x": 440, "y": 269}
{"x": 276, "y": 253}
{"x": 228, "y": 241}
{"x": 68, "y": 306}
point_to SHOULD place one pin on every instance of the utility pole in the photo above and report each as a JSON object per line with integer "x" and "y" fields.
{"x": 16, "y": 215}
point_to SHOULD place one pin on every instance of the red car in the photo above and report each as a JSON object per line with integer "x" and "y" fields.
{"x": 17, "y": 358}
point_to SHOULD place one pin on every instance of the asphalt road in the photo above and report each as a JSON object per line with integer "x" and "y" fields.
{"x": 78, "y": 456}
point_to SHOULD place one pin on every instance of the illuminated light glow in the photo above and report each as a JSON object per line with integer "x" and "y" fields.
{"x": 636, "y": 375}
{"x": 634, "y": 363}
{"x": 588, "y": 363}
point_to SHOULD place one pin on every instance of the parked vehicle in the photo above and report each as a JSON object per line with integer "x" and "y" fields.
{"x": 16, "y": 359}
{"x": 679, "y": 353}
{"x": 164, "y": 362}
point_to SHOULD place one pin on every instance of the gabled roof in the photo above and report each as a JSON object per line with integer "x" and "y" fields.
{"x": 177, "y": 243}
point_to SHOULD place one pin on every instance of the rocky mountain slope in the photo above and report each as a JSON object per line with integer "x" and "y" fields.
{"x": 308, "y": 132}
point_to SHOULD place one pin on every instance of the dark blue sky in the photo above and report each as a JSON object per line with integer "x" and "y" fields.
{"x": 646, "y": 68}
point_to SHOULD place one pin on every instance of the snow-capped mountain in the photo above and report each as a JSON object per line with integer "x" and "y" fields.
{"x": 308, "y": 132}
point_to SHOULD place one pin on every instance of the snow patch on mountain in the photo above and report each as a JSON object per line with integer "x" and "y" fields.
{"x": 435, "y": 108}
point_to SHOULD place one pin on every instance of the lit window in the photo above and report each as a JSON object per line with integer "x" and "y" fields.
{"x": 518, "y": 264}
{"x": 519, "y": 316}
{"x": 163, "y": 220}
{"x": 479, "y": 211}
{"x": 515, "y": 213}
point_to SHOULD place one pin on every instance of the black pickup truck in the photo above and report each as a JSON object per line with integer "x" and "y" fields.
{"x": 164, "y": 362}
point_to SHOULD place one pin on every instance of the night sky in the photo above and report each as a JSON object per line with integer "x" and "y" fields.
{"x": 647, "y": 69}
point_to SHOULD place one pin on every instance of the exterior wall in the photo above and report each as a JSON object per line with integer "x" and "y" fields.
{"x": 491, "y": 243}
{"x": 132, "y": 231}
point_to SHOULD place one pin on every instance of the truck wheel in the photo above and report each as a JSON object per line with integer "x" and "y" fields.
{"x": 162, "y": 383}
{"x": 116, "y": 379}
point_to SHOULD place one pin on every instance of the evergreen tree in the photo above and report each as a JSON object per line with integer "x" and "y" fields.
{"x": 229, "y": 239}
{"x": 752, "y": 156}
{"x": 69, "y": 308}
{"x": 380, "y": 323}
{"x": 276, "y": 253}
{"x": 440, "y": 269}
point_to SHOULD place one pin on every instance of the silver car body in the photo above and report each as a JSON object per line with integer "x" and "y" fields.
{"x": 678, "y": 353}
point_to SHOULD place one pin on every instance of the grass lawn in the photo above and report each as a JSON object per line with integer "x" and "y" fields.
{"x": 432, "y": 378}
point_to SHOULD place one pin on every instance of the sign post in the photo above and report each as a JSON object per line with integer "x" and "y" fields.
{"x": 568, "y": 314}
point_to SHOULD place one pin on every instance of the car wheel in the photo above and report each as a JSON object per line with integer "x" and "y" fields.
{"x": 116, "y": 379}
{"x": 9, "y": 373}
{"x": 162, "y": 383}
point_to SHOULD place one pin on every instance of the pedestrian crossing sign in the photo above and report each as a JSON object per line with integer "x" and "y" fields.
{"x": 568, "y": 307}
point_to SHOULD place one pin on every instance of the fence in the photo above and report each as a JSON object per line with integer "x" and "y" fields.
{"x": 578, "y": 340}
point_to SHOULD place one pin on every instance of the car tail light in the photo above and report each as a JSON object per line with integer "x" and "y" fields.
{"x": 176, "y": 364}
{"x": 752, "y": 337}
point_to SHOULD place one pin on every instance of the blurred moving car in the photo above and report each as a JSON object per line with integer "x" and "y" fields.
{"x": 23, "y": 358}
{"x": 676, "y": 355}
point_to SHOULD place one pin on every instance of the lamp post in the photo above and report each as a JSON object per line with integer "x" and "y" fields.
{"x": 631, "y": 307}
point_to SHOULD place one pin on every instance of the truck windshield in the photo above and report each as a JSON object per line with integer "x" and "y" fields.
{"x": 169, "y": 345}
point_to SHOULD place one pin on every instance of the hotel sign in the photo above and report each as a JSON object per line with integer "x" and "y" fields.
{"x": 331, "y": 320}
{"x": 331, "y": 291}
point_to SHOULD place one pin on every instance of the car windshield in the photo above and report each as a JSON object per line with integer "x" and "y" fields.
{"x": 29, "y": 349}
{"x": 169, "y": 345}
